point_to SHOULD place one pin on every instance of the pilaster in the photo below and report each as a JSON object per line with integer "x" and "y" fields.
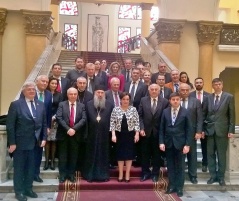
{"x": 168, "y": 34}
{"x": 3, "y": 17}
{"x": 145, "y": 22}
{"x": 38, "y": 25}
{"x": 208, "y": 31}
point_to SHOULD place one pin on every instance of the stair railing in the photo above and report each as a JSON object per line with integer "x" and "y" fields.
{"x": 154, "y": 56}
{"x": 130, "y": 44}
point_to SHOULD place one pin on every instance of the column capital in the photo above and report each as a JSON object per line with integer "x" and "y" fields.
{"x": 3, "y": 17}
{"x": 208, "y": 31}
{"x": 146, "y": 6}
{"x": 169, "y": 30}
{"x": 37, "y": 22}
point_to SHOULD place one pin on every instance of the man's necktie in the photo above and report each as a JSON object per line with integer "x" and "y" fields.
{"x": 40, "y": 97}
{"x": 127, "y": 76}
{"x": 153, "y": 108}
{"x": 176, "y": 87}
{"x": 216, "y": 101}
{"x": 58, "y": 87}
{"x": 174, "y": 116}
{"x": 34, "y": 112}
{"x": 161, "y": 93}
{"x": 132, "y": 92}
{"x": 116, "y": 99}
{"x": 90, "y": 85}
{"x": 183, "y": 103}
{"x": 72, "y": 113}
{"x": 199, "y": 96}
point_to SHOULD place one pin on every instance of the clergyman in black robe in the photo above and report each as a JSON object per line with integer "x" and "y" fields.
{"x": 97, "y": 149}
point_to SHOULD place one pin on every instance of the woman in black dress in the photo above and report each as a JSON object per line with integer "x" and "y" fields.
{"x": 50, "y": 147}
{"x": 124, "y": 124}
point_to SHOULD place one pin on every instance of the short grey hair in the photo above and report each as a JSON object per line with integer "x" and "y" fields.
{"x": 71, "y": 89}
{"x": 114, "y": 79}
{"x": 41, "y": 76}
{"x": 28, "y": 84}
{"x": 81, "y": 77}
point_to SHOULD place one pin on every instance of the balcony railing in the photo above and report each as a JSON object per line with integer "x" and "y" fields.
{"x": 229, "y": 34}
{"x": 129, "y": 44}
{"x": 69, "y": 43}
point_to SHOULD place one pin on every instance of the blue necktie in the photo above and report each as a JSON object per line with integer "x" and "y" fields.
{"x": 34, "y": 112}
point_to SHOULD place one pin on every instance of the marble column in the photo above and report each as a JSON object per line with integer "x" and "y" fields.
{"x": 145, "y": 22}
{"x": 3, "y": 17}
{"x": 207, "y": 34}
{"x": 38, "y": 25}
{"x": 168, "y": 35}
{"x": 4, "y": 158}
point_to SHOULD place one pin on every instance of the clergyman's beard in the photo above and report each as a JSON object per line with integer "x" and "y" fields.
{"x": 99, "y": 103}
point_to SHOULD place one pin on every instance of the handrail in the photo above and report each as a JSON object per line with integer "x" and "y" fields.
{"x": 155, "y": 56}
{"x": 129, "y": 44}
{"x": 69, "y": 43}
{"x": 47, "y": 58}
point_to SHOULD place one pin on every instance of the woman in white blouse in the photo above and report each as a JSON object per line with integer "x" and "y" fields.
{"x": 124, "y": 124}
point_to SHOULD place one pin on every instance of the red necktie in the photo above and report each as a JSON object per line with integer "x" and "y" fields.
{"x": 58, "y": 87}
{"x": 72, "y": 113}
{"x": 116, "y": 100}
{"x": 199, "y": 96}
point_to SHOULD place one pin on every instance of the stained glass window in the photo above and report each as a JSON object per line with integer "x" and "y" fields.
{"x": 71, "y": 30}
{"x": 123, "y": 34}
{"x": 135, "y": 12}
{"x": 68, "y": 8}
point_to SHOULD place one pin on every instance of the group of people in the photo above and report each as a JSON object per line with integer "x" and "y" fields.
{"x": 96, "y": 116}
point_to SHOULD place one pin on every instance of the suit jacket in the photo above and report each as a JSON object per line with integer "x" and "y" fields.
{"x": 87, "y": 97}
{"x": 140, "y": 92}
{"x": 104, "y": 78}
{"x": 63, "y": 119}
{"x": 65, "y": 85}
{"x": 22, "y": 129}
{"x": 171, "y": 86}
{"x": 195, "y": 114}
{"x": 155, "y": 77}
{"x": 109, "y": 96}
{"x": 219, "y": 120}
{"x": 205, "y": 94}
{"x": 96, "y": 82}
{"x": 178, "y": 134}
{"x": 167, "y": 91}
{"x": 150, "y": 122}
{"x": 123, "y": 72}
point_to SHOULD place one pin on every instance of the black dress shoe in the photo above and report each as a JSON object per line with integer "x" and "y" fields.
{"x": 38, "y": 179}
{"x": 127, "y": 180}
{"x": 221, "y": 182}
{"x": 52, "y": 165}
{"x": 212, "y": 180}
{"x": 155, "y": 178}
{"x": 62, "y": 179}
{"x": 194, "y": 180}
{"x": 20, "y": 197}
{"x": 46, "y": 167}
{"x": 180, "y": 193}
{"x": 72, "y": 179}
{"x": 204, "y": 168}
{"x": 145, "y": 177}
{"x": 170, "y": 190}
{"x": 30, "y": 194}
{"x": 120, "y": 180}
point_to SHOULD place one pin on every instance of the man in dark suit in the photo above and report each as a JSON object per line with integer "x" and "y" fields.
{"x": 92, "y": 80}
{"x": 71, "y": 118}
{"x": 113, "y": 94}
{"x": 194, "y": 110}
{"x": 26, "y": 123}
{"x": 162, "y": 71}
{"x": 201, "y": 95}
{"x": 79, "y": 71}
{"x": 136, "y": 88}
{"x": 83, "y": 95}
{"x": 150, "y": 111}
{"x": 174, "y": 139}
{"x": 164, "y": 91}
{"x": 44, "y": 96}
{"x": 64, "y": 83}
{"x": 128, "y": 64}
{"x": 219, "y": 118}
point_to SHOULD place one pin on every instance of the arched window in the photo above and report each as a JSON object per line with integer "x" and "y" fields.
{"x": 68, "y": 8}
{"x": 135, "y": 12}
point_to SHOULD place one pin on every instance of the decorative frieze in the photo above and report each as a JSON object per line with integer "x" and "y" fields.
{"x": 3, "y": 17}
{"x": 208, "y": 31}
{"x": 37, "y": 22}
{"x": 169, "y": 30}
{"x": 229, "y": 34}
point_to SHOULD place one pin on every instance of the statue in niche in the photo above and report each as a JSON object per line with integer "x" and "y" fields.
{"x": 97, "y": 35}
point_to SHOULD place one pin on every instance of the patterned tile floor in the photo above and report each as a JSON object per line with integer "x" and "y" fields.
{"x": 188, "y": 196}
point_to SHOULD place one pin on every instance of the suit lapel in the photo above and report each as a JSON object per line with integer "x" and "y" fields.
{"x": 220, "y": 102}
{"x": 67, "y": 110}
{"x": 159, "y": 105}
{"x": 26, "y": 108}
